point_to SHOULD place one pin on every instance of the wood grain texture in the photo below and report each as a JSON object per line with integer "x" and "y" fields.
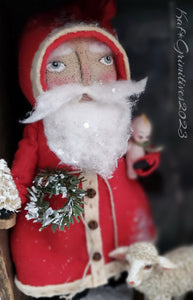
{"x": 6, "y": 288}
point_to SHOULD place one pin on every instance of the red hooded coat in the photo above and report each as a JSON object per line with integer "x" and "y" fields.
{"x": 71, "y": 260}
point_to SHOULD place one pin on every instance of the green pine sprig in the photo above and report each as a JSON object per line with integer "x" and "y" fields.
{"x": 55, "y": 182}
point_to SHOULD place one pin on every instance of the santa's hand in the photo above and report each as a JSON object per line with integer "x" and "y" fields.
{"x": 147, "y": 164}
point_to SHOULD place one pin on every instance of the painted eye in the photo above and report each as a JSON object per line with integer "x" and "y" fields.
{"x": 140, "y": 137}
{"x": 107, "y": 60}
{"x": 147, "y": 267}
{"x": 55, "y": 66}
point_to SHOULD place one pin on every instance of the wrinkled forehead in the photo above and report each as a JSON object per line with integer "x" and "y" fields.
{"x": 89, "y": 44}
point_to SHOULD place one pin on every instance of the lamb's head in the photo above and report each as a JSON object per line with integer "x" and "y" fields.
{"x": 141, "y": 259}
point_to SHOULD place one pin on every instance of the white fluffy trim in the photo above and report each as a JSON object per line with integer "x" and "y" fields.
{"x": 111, "y": 269}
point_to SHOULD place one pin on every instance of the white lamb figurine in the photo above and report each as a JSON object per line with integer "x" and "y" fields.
{"x": 157, "y": 277}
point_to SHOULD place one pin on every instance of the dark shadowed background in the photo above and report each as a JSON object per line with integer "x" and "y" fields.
{"x": 147, "y": 30}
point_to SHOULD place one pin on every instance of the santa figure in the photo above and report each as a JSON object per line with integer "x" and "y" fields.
{"x": 76, "y": 76}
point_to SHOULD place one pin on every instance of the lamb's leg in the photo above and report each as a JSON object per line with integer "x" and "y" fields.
{"x": 159, "y": 297}
{"x": 179, "y": 297}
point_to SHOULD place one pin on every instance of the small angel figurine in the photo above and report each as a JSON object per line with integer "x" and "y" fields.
{"x": 139, "y": 147}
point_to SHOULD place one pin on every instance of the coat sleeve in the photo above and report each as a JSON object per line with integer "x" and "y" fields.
{"x": 25, "y": 161}
{"x": 150, "y": 161}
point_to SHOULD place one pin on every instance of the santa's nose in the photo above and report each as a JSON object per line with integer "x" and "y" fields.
{"x": 85, "y": 71}
{"x": 131, "y": 282}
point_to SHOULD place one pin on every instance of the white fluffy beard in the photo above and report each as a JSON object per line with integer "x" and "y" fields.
{"x": 90, "y": 135}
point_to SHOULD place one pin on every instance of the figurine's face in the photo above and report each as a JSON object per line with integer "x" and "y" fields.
{"x": 141, "y": 132}
{"x": 81, "y": 60}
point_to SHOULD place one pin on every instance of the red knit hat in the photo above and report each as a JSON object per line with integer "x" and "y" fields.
{"x": 46, "y": 31}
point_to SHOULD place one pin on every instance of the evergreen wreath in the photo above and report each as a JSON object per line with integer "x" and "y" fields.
{"x": 55, "y": 182}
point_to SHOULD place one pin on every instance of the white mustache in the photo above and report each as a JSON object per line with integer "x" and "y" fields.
{"x": 113, "y": 92}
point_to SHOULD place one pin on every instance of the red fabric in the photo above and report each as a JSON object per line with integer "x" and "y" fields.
{"x": 26, "y": 158}
{"x": 153, "y": 159}
{"x": 45, "y": 257}
{"x": 102, "y": 11}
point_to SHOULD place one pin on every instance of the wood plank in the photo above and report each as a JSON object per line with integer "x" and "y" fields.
{"x": 8, "y": 223}
{"x": 6, "y": 290}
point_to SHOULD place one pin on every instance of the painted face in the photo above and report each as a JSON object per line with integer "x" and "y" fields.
{"x": 81, "y": 60}
{"x": 141, "y": 130}
{"x": 142, "y": 135}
